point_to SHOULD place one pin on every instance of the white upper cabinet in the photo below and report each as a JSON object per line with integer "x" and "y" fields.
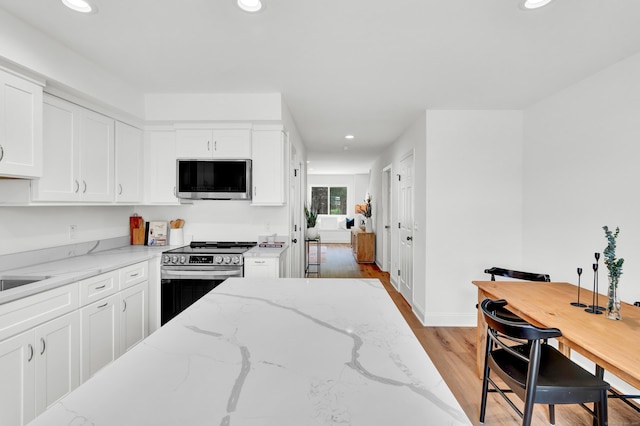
{"x": 59, "y": 180}
{"x": 213, "y": 143}
{"x": 20, "y": 127}
{"x": 268, "y": 174}
{"x": 160, "y": 167}
{"x": 79, "y": 154}
{"x": 97, "y": 156}
{"x": 128, "y": 164}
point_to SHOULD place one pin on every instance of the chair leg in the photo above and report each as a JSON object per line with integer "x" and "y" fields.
{"x": 603, "y": 412}
{"x": 552, "y": 414}
{"x": 485, "y": 391}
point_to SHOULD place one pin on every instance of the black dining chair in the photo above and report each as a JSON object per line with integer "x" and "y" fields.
{"x": 535, "y": 371}
{"x": 517, "y": 275}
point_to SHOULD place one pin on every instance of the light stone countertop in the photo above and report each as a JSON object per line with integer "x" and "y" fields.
{"x": 76, "y": 268}
{"x": 271, "y": 352}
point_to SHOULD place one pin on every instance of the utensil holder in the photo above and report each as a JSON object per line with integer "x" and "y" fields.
{"x": 176, "y": 237}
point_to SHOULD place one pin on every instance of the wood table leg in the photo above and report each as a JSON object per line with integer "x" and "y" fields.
{"x": 481, "y": 335}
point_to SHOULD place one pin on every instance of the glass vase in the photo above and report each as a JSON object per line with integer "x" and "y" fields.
{"x": 613, "y": 304}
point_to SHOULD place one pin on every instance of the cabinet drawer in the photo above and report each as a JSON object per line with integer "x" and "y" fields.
{"x": 95, "y": 288}
{"x": 23, "y": 314}
{"x": 133, "y": 274}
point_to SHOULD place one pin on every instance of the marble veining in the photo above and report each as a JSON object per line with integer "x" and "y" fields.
{"x": 271, "y": 352}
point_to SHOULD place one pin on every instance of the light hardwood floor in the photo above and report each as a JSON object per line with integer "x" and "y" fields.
{"x": 452, "y": 350}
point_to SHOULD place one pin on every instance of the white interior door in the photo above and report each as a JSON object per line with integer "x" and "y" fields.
{"x": 386, "y": 219}
{"x": 405, "y": 234}
{"x": 297, "y": 242}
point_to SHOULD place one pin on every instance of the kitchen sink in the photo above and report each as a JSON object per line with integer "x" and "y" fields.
{"x": 7, "y": 282}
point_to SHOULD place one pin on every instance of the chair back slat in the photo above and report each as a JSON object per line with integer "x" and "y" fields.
{"x": 517, "y": 330}
{"x": 518, "y": 275}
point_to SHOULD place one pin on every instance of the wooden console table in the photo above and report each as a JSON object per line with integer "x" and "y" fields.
{"x": 363, "y": 245}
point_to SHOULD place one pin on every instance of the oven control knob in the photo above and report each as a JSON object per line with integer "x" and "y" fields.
{"x": 183, "y": 259}
{"x": 166, "y": 258}
{"x": 235, "y": 260}
{"x": 174, "y": 259}
{"x": 218, "y": 259}
{"x": 227, "y": 259}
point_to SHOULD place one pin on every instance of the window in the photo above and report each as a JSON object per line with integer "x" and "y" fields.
{"x": 329, "y": 199}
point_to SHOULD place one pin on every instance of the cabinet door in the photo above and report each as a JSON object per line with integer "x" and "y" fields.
{"x": 134, "y": 316}
{"x": 20, "y": 127}
{"x": 17, "y": 383}
{"x": 268, "y": 168}
{"x": 231, "y": 143}
{"x": 194, "y": 143}
{"x": 60, "y": 180}
{"x": 57, "y": 345}
{"x": 160, "y": 168}
{"x": 99, "y": 335}
{"x": 128, "y": 164}
{"x": 261, "y": 268}
{"x": 96, "y": 157}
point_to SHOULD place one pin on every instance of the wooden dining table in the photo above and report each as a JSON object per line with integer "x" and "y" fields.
{"x": 613, "y": 345}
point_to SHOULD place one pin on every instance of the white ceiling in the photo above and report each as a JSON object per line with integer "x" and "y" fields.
{"x": 366, "y": 67}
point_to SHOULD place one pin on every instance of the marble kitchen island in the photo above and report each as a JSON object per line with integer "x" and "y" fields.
{"x": 280, "y": 352}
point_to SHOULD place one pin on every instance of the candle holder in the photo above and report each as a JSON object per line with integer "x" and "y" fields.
{"x": 578, "y": 304}
{"x": 594, "y": 309}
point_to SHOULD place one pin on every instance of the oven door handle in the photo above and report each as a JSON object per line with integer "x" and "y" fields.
{"x": 199, "y": 275}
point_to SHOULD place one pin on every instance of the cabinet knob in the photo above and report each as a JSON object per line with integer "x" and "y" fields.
{"x": 294, "y": 241}
{"x": 1, "y": 152}
{"x": 77, "y": 186}
{"x": 44, "y": 346}
{"x": 84, "y": 189}
{"x": 409, "y": 238}
{"x": 120, "y": 187}
{"x": 30, "y": 353}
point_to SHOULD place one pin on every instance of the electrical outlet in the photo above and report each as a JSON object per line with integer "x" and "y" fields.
{"x": 72, "y": 232}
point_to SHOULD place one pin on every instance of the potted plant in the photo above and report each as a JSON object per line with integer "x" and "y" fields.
{"x": 311, "y": 216}
{"x": 615, "y": 270}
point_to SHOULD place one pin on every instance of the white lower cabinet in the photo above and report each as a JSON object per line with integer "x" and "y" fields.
{"x": 134, "y": 315}
{"x": 57, "y": 346}
{"x": 38, "y": 367}
{"x": 100, "y": 335}
{"x": 261, "y": 267}
{"x": 17, "y": 388}
{"x": 265, "y": 267}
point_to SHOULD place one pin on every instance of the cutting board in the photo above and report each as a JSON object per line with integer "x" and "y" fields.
{"x": 136, "y": 230}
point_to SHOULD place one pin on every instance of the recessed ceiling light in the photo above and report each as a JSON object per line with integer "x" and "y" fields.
{"x": 250, "y": 5}
{"x": 82, "y": 6}
{"x": 534, "y": 4}
{"x": 346, "y": 148}
{"x": 349, "y": 137}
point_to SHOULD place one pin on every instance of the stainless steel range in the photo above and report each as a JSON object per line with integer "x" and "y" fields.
{"x": 188, "y": 273}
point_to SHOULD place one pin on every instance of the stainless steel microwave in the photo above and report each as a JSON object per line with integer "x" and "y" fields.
{"x": 213, "y": 179}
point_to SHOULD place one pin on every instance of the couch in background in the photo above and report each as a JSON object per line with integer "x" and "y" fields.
{"x": 333, "y": 229}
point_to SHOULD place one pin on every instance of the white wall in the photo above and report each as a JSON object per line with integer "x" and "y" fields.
{"x": 63, "y": 68}
{"x": 580, "y": 173}
{"x": 32, "y": 228}
{"x": 220, "y": 220}
{"x": 250, "y": 107}
{"x": 474, "y": 207}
